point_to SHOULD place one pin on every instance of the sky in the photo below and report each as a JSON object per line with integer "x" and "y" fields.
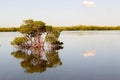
{"x": 60, "y": 12}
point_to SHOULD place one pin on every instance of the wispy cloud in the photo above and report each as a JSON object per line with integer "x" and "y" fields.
{"x": 89, "y": 3}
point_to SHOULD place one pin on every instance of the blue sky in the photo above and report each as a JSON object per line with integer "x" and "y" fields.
{"x": 60, "y": 12}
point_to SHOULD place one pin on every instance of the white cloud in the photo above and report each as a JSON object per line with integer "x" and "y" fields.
{"x": 89, "y": 3}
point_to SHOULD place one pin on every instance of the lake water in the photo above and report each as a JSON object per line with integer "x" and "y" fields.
{"x": 87, "y": 55}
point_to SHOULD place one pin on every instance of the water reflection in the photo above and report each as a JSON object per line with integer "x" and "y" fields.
{"x": 89, "y": 53}
{"x": 105, "y": 65}
{"x": 38, "y": 60}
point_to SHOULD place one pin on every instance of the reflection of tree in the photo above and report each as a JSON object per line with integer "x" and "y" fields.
{"x": 53, "y": 59}
{"x": 37, "y": 60}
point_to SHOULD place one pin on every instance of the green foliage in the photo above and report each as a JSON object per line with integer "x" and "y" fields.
{"x": 57, "y": 42}
{"x": 52, "y": 37}
{"x": 19, "y": 41}
{"x": 10, "y": 29}
{"x": 56, "y": 33}
{"x": 49, "y": 28}
{"x": 84, "y": 27}
{"x": 33, "y": 30}
{"x": 30, "y": 27}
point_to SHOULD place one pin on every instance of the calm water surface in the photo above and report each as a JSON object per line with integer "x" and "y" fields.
{"x": 87, "y": 55}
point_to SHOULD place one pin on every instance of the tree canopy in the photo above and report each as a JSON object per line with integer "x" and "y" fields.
{"x": 32, "y": 28}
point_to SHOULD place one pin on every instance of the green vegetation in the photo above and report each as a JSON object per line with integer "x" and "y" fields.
{"x": 30, "y": 47}
{"x": 21, "y": 41}
{"x": 32, "y": 28}
{"x": 65, "y": 28}
{"x": 32, "y": 35}
{"x": 83, "y": 27}
{"x": 52, "y": 37}
{"x": 10, "y": 29}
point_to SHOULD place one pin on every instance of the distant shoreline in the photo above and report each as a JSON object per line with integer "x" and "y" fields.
{"x": 67, "y": 28}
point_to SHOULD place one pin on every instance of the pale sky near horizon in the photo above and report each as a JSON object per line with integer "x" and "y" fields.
{"x": 60, "y": 12}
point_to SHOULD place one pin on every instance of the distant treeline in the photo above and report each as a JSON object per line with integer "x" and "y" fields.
{"x": 9, "y": 29}
{"x": 82, "y": 27}
{"x": 68, "y": 28}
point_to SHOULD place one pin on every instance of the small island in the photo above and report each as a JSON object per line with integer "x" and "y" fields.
{"x": 37, "y": 47}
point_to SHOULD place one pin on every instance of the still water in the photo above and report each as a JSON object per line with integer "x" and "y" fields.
{"x": 87, "y": 55}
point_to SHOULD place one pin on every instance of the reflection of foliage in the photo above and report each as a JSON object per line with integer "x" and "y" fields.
{"x": 35, "y": 62}
{"x": 20, "y": 55}
{"x": 32, "y": 64}
{"x": 53, "y": 59}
